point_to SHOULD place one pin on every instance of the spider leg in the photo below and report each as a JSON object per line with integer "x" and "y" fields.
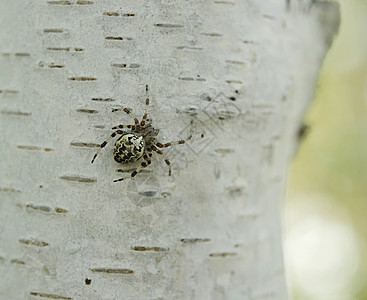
{"x": 173, "y": 143}
{"x": 143, "y": 165}
{"x": 106, "y": 141}
{"x": 124, "y": 126}
{"x": 164, "y": 157}
{"x": 143, "y": 120}
{"x": 132, "y": 116}
{"x": 150, "y": 152}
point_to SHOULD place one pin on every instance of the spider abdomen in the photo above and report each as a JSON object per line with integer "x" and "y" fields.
{"x": 129, "y": 148}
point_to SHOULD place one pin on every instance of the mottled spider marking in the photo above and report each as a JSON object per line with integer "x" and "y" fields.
{"x": 129, "y": 148}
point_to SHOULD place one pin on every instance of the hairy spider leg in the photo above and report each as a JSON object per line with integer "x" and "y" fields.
{"x": 106, "y": 141}
{"x": 124, "y": 126}
{"x": 132, "y": 116}
{"x": 143, "y": 165}
{"x": 142, "y": 123}
{"x": 150, "y": 152}
{"x": 173, "y": 143}
{"x": 164, "y": 157}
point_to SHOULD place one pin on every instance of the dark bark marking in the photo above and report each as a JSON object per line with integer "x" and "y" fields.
{"x": 223, "y": 254}
{"x": 53, "y": 30}
{"x": 112, "y": 271}
{"x": 15, "y": 113}
{"x": 168, "y": 25}
{"x": 194, "y": 240}
{"x": 86, "y": 110}
{"x": 78, "y": 179}
{"x": 155, "y": 249}
{"x": 22, "y": 54}
{"x": 50, "y": 296}
{"x": 86, "y": 145}
{"x": 103, "y": 99}
{"x": 83, "y": 78}
{"x": 33, "y": 243}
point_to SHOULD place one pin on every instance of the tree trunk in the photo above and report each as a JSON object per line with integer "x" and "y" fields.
{"x": 237, "y": 75}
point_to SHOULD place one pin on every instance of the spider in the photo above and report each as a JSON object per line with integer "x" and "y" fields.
{"x": 139, "y": 143}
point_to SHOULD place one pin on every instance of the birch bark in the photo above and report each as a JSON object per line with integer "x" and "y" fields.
{"x": 237, "y": 74}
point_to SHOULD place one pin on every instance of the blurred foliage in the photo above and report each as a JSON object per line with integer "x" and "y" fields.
{"x": 332, "y": 159}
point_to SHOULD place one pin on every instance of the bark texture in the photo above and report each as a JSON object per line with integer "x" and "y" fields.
{"x": 236, "y": 74}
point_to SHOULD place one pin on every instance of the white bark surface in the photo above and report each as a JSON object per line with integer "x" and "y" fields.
{"x": 242, "y": 71}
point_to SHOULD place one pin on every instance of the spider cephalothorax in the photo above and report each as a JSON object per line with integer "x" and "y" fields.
{"x": 139, "y": 143}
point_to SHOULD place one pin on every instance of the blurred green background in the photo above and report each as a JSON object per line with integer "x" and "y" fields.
{"x": 325, "y": 244}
